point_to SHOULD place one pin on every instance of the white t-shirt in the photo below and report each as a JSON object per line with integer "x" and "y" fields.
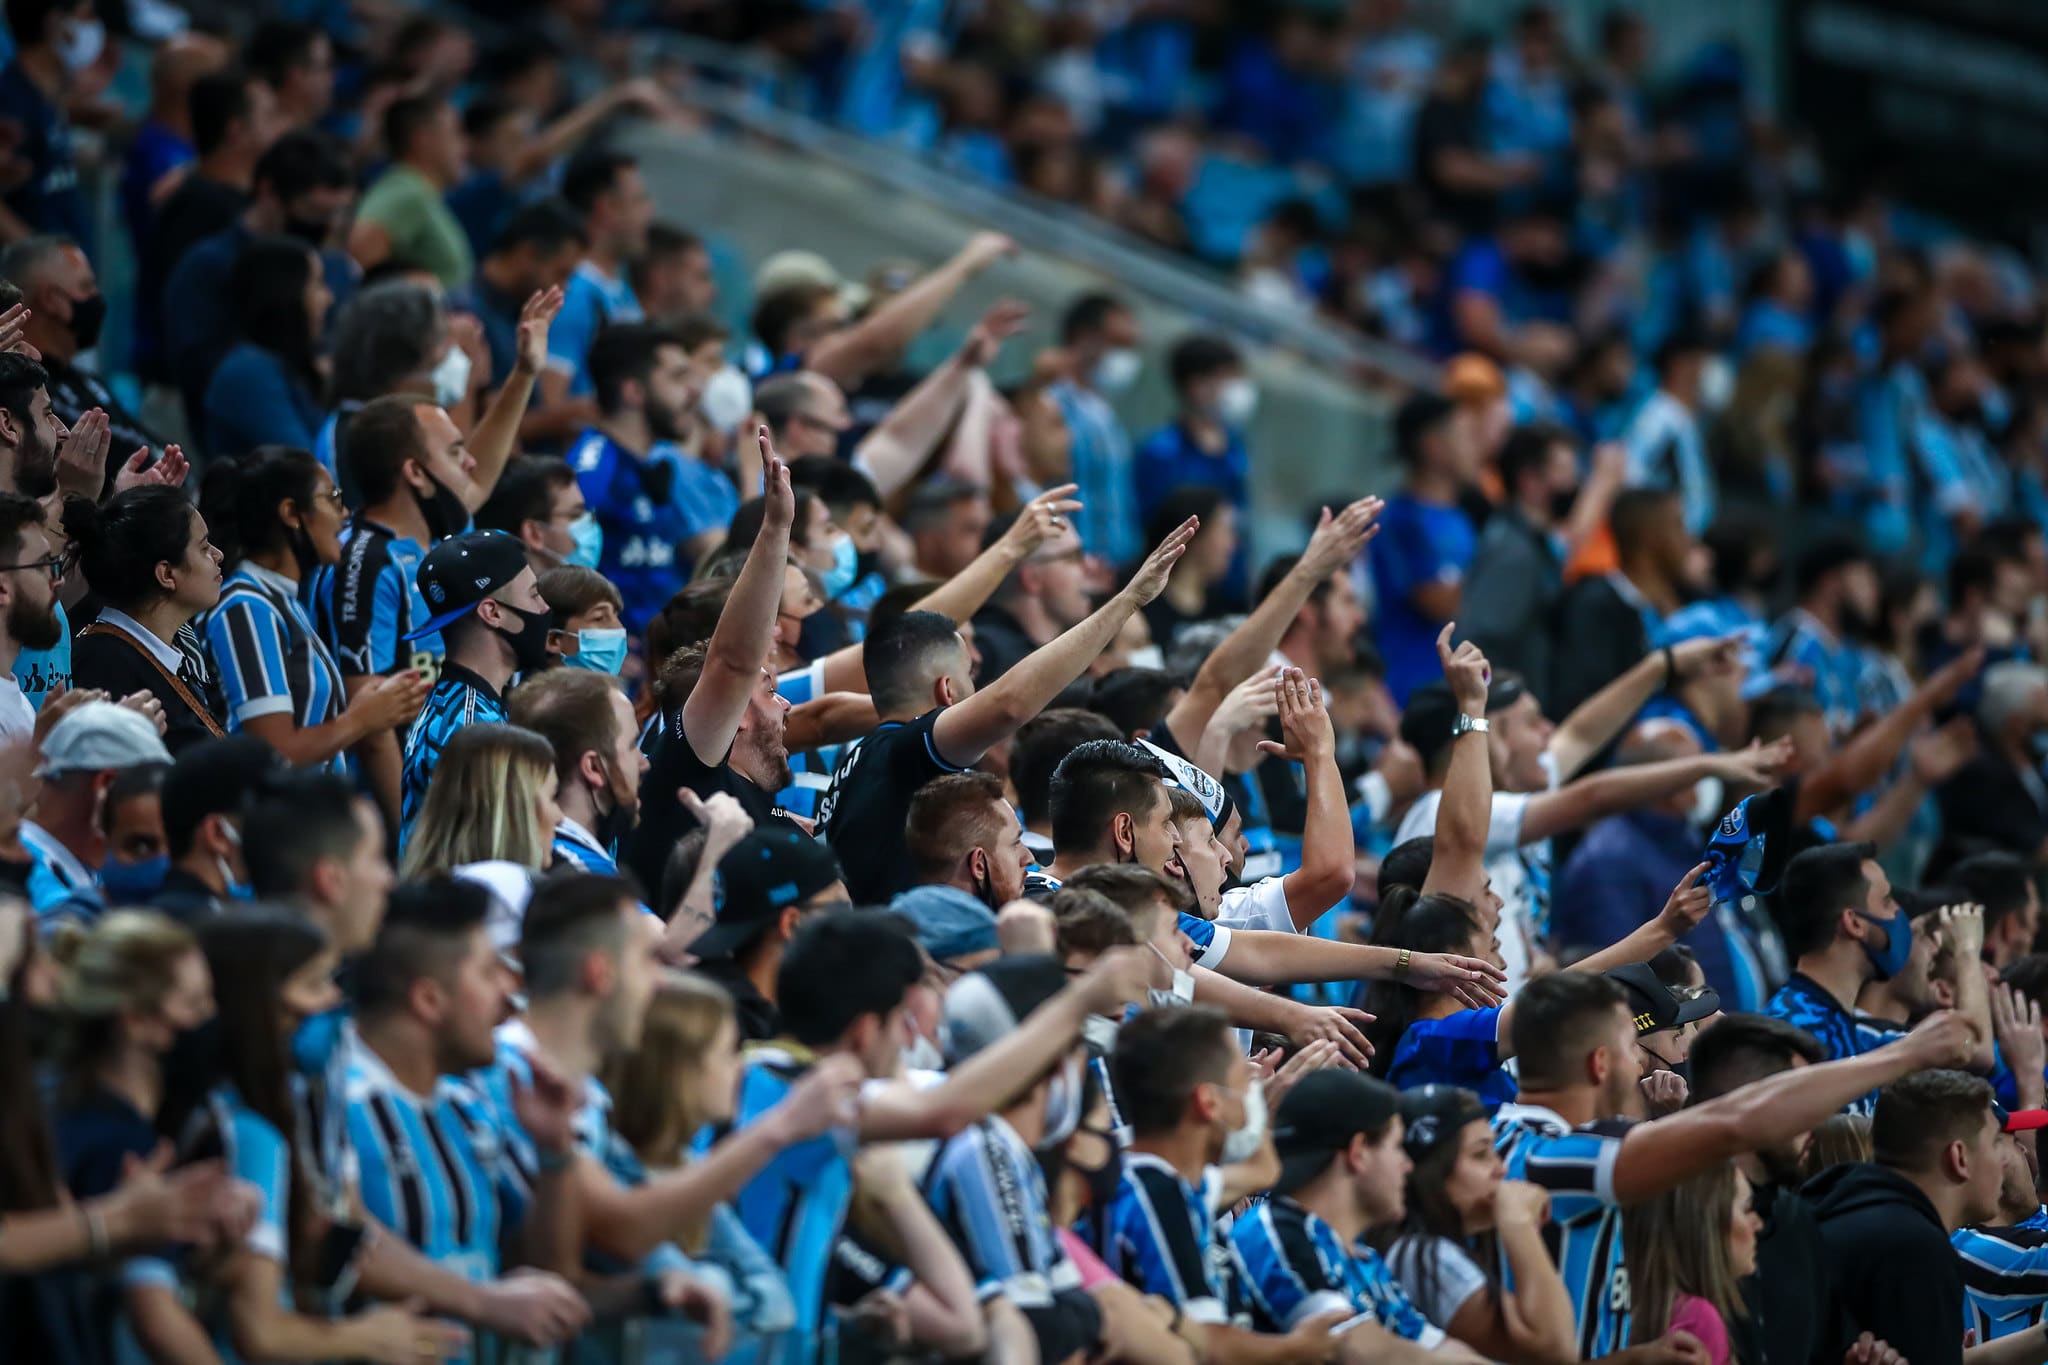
{"x": 1454, "y": 1278}
{"x": 17, "y": 717}
{"x": 1261, "y": 905}
{"x": 1520, "y": 871}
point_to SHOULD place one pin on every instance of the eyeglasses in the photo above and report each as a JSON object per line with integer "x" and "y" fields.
{"x": 333, "y": 495}
{"x": 54, "y": 566}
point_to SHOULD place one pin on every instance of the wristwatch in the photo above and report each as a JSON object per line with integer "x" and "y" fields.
{"x": 1466, "y": 725}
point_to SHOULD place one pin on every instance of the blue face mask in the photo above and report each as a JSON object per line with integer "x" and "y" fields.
{"x": 1898, "y": 944}
{"x": 845, "y": 567}
{"x": 133, "y": 883}
{"x": 600, "y": 651}
{"x": 589, "y": 538}
{"x": 317, "y": 1038}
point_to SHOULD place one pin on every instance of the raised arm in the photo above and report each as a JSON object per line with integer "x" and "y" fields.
{"x": 1269, "y": 957}
{"x": 562, "y": 137}
{"x": 496, "y": 435}
{"x": 1869, "y": 754}
{"x": 849, "y": 356}
{"x": 1464, "y": 813}
{"x": 1329, "y": 850}
{"x": 1603, "y": 716}
{"x": 905, "y": 440}
{"x": 746, "y": 628}
{"x": 1579, "y": 803}
{"x": 1336, "y": 543}
{"x": 1963, "y": 925}
{"x": 1658, "y": 1155}
{"x": 964, "y": 594}
{"x": 990, "y": 1078}
{"x": 966, "y": 731}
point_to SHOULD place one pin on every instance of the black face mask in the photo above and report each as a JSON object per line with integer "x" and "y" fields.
{"x": 1104, "y": 1181}
{"x": 614, "y": 824}
{"x": 312, "y": 231}
{"x": 1561, "y": 502}
{"x": 530, "y": 645}
{"x": 445, "y": 513}
{"x": 657, "y": 480}
{"x": 88, "y": 315}
{"x": 819, "y": 634}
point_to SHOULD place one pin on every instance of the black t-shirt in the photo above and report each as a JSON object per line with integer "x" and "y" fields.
{"x": 1001, "y": 643}
{"x": 664, "y": 822}
{"x": 1451, "y": 124}
{"x": 863, "y": 812}
{"x": 1788, "y": 1296}
{"x": 1992, "y": 805}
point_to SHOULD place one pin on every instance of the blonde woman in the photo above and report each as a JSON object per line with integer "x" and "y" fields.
{"x": 682, "y": 1079}
{"x": 1687, "y": 1252}
{"x": 492, "y": 800}
{"x": 128, "y": 988}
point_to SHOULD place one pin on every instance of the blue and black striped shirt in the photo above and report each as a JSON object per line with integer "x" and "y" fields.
{"x": 270, "y": 659}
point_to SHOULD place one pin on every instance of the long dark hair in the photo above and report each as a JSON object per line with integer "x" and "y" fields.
{"x": 252, "y": 953}
{"x": 1423, "y": 924}
{"x": 239, "y": 498}
{"x": 267, "y": 288}
{"x": 121, "y": 541}
{"x": 28, "y": 1150}
{"x": 1431, "y": 1215}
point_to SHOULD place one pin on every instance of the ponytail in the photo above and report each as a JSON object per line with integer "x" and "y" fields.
{"x": 1422, "y": 924}
{"x": 239, "y": 498}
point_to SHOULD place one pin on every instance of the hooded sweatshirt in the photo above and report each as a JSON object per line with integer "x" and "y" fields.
{"x": 1893, "y": 1271}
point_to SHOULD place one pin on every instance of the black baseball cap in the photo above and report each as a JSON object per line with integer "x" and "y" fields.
{"x": 1320, "y": 1116}
{"x": 462, "y": 571}
{"x": 1654, "y": 1004}
{"x": 989, "y": 1003}
{"x": 760, "y": 877}
{"x": 1436, "y": 1114}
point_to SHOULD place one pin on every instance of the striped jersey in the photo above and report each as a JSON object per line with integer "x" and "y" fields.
{"x": 459, "y": 698}
{"x": 321, "y": 1052}
{"x": 989, "y": 1194}
{"x": 1576, "y": 1167}
{"x": 2005, "y": 1278}
{"x": 436, "y": 1169}
{"x": 810, "y": 772}
{"x": 795, "y": 1206}
{"x": 1844, "y": 1033}
{"x": 373, "y": 602}
{"x": 270, "y": 659}
{"x": 1296, "y": 1266}
{"x": 1161, "y": 1237}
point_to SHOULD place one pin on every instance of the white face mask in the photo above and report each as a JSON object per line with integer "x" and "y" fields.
{"x": 1062, "y": 1106}
{"x": 1236, "y": 401}
{"x": 451, "y": 377}
{"x": 1717, "y": 383}
{"x": 1151, "y": 656}
{"x": 1099, "y": 1032}
{"x": 727, "y": 399}
{"x": 1183, "y": 992}
{"x": 923, "y": 1055}
{"x": 82, "y": 45}
{"x": 1243, "y": 1143}
{"x": 1117, "y": 370}
{"x": 1707, "y": 797}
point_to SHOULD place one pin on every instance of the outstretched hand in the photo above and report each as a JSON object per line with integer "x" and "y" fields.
{"x": 780, "y": 512}
{"x": 535, "y": 317}
{"x": 1150, "y": 580}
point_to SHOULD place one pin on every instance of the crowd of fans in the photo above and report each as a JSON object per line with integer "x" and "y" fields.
{"x": 541, "y": 818}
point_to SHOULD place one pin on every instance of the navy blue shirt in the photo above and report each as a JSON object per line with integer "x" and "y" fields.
{"x": 1170, "y": 458}
{"x": 49, "y": 200}
{"x": 254, "y": 400}
{"x": 1844, "y": 1033}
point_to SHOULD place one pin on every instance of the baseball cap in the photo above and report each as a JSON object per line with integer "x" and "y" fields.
{"x": 786, "y": 268}
{"x": 948, "y": 922}
{"x": 1196, "y": 783}
{"x": 1436, "y": 1114}
{"x": 759, "y": 877}
{"x": 462, "y": 571}
{"x": 2019, "y": 1120}
{"x": 100, "y": 736}
{"x": 1655, "y": 1005}
{"x": 1320, "y": 1116}
{"x": 989, "y": 1003}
